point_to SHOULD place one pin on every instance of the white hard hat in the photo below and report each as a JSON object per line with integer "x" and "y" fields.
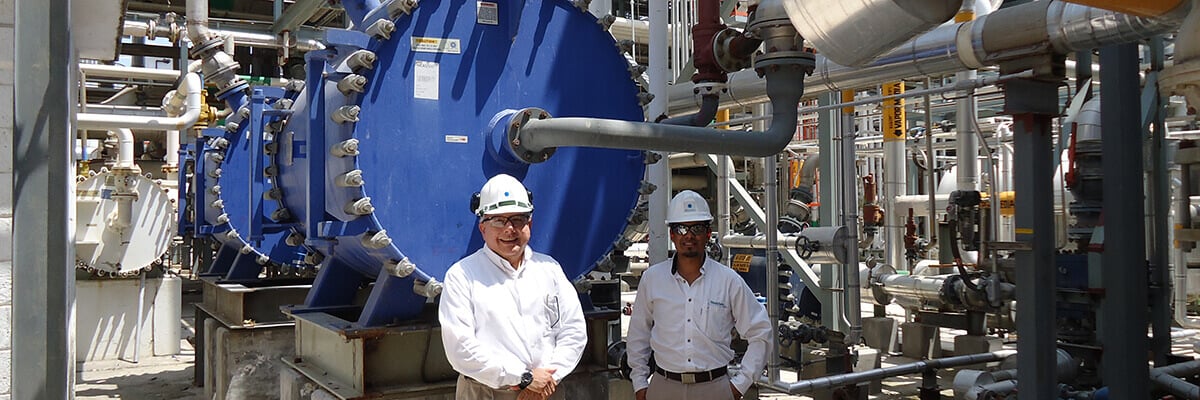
{"x": 688, "y": 206}
{"x": 503, "y": 194}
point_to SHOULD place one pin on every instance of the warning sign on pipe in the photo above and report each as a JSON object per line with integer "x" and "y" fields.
{"x": 893, "y": 113}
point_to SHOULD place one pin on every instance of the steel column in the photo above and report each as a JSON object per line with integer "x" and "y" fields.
{"x": 828, "y": 127}
{"x": 1122, "y": 322}
{"x": 1033, "y": 104}
{"x": 1160, "y": 208}
{"x": 43, "y": 290}
{"x": 658, "y": 173}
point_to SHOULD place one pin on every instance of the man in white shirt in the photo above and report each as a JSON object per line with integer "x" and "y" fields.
{"x": 512, "y": 325}
{"x": 684, "y": 315}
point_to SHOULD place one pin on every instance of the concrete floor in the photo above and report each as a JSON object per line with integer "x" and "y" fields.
{"x": 171, "y": 377}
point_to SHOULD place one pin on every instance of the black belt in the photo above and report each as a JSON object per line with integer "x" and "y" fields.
{"x": 693, "y": 377}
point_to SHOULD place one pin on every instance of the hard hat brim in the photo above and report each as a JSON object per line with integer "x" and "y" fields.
{"x": 506, "y": 207}
{"x": 688, "y": 219}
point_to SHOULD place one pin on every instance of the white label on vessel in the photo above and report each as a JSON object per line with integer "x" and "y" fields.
{"x": 487, "y": 13}
{"x": 456, "y": 139}
{"x": 425, "y": 85}
{"x": 435, "y": 45}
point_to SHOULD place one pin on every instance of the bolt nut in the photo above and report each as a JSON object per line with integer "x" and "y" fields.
{"x": 360, "y": 207}
{"x": 231, "y": 235}
{"x": 283, "y": 104}
{"x": 222, "y": 219}
{"x": 361, "y": 59}
{"x": 214, "y": 173}
{"x": 215, "y": 190}
{"x": 270, "y": 170}
{"x": 400, "y": 269}
{"x": 376, "y": 240}
{"x": 262, "y": 259}
{"x": 221, "y": 143}
{"x": 246, "y": 249}
{"x": 231, "y": 126}
{"x": 244, "y": 112}
{"x": 294, "y": 85}
{"x": 345, "y": 148}
{"x": 350, "y": 179}
{"x": 428, "y": 289}
{"x": 281, "y": 214}
{"x": 217, "y": 204}
{"x": 381, "y": 28}
{"x": 346, "y": 114}
{"x": 294, "y": 239}
{"x": 352, "y": 83}
{"x": 273, "y": 194}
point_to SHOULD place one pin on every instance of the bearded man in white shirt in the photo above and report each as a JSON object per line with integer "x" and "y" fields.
{"x": 684, "y": 315}
{"x": 511, "y": 322}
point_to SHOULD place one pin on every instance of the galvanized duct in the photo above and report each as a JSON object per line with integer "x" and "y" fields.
{"x": 1012, "y": 33}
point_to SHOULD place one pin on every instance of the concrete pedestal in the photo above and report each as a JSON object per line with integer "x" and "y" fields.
{"x": 880, "y": 333}
{"x": 868, "y": 359}
{"x": 920, "y": 341}
{"x": 968, "y": 344}
{"x": 106, "y": 318}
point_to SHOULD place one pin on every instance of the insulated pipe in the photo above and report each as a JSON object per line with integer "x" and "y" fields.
{"x": 785, "y": 86}
{"x": 853, "y": 378}
{"x": 172, "y": 157}
{"x": 197, "y": 21}
{"x": 1011, "y": 33}
{"x": 191, "y": 84}
{"x": 307, "y": 39}
{"x": 853, "y": 32}
{"x": 895, "y": 175}
{"x": 771, "y": 186}
{"x": 1166, "y": 378}
{"x": 851, "y": 295}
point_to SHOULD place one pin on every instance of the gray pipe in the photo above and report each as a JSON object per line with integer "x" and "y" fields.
{"x": 1015, "y": 32}
{"x": 708, "y": 109}
{"x": 785, "y": 87}
{"x": 828, "y": 382}
{"x": 1165, "y": 377}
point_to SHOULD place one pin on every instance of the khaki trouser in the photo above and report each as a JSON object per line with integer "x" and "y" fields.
{"x": 662, "y": 388}
{"x": 470, "y": 389}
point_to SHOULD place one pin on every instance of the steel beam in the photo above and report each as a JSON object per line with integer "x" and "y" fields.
{"x": 1160, "y": 207}
{"x": 1122, "y": 317}
{"x": 43, "y": 202}
{"x": 1033, "y": 104}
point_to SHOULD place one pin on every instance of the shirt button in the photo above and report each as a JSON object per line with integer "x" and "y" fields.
{"x": 689, "y": 320}
{"x": 689, "y": 300}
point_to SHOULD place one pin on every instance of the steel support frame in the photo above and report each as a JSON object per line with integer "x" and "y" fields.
{"x": 1160, "y": 208}
{"x": 1122, "y": 317}
{"x": 1033, "y": 103}
{"x": 43, "y": 289}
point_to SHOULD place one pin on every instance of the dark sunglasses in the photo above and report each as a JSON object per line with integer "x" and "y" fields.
{"x": 681, "y": 229}
{"x": 517, "y": 221}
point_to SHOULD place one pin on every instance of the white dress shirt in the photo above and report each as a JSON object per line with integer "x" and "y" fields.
{"x": 688, "y": 327}
{"x": 498, "y": 322}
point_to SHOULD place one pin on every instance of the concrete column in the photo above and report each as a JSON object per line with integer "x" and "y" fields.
{"x": 43, "y": 201}
{"x": 7, "y": 54}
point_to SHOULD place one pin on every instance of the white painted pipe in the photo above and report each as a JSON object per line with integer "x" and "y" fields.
{"x": 172, "y": 157}
{"x": 116, "y": 71}
{"x": 125, "y": 148}
{"x": 191, "y": 84}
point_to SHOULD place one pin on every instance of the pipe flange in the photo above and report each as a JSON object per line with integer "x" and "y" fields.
{"x": 779, "y": 59}
{"x": 515, "y": 122}
{"x": 724, "y": 57}
{"x": 201, "y": 50}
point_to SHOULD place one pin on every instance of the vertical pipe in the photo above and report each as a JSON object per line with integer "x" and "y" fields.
{"x": 141, "y": 304}
{"x": 967, "y": 139}
{"x": 829, "y": 135}
{"x": 43, "y": 265}
{"x": 895, "y": 174}
{"x": 1033, "y": 103}
{"x": 124, "y": 148}
{"x": 931, "y": 168}
{"x": 173, "y": 140}
{"x": 1160, "y": 207}
{"x": 658, "y": 173}
{"x": 723, "y": 165}
{"x": 1122, "y": 316}
{"x": 851, "y": 295}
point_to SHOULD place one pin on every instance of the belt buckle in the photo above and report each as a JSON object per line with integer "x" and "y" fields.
{"x": 687, "y": 378}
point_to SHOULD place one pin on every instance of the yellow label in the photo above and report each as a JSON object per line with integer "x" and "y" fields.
{"x": 741, "y": 262}
{"x": 1024, "y": 231}
{"x": 893, "y": 113}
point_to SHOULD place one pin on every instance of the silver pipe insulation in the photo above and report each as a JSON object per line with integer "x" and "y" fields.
{"x": 307, "y": 39}
{"x": 191, "y": 85}
{"x": 115, "y": 71}
{"x": 723, "y": 206}
{"x": 853, "y": 32}
{"x": 659, "y": 173}
{"x": 771, "y": 186}
{"x": 1166, "y": 378}
{"x": 895, "y": 184}
{"x": 941, "y": 291}
{"x": 786, "y": 85}
{"x": 853, "y": 378}
{"x": 850, "y": 207}
{"x": 829, "y": 243}
{"x": 1006, "y": 34}
{"x": 968, "y": 142}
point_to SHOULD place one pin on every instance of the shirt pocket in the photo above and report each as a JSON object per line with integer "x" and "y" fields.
{"x": 717, "y": 321}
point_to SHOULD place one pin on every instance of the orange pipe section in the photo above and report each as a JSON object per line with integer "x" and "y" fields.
{"x": 1141, "y": 8}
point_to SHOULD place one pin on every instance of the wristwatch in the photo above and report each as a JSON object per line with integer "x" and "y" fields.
{"x": 526, "y": 380}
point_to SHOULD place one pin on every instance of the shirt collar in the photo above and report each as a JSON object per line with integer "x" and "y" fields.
{"x": 503, "y": 264}
{"x": 675, "y": 267}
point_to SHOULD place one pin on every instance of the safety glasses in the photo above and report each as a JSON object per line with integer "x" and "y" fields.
{"x": 681, "y": 229}
{"x": 518, "y": 221}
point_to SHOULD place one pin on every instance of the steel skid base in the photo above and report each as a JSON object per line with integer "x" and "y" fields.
{"x": 335, "y": 360}
{"x": 242, "y": 336}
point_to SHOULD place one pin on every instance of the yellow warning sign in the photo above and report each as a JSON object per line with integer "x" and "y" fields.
{"x": 893, "y": 113}
{"x": 741, "y": 262}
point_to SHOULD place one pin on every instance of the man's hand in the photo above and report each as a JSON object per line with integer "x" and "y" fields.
{"x": 737, "y": 395}
{"x": 531, "y": 395}
{"x": 641, "y": 394}
{"x": 543, "y": 381}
